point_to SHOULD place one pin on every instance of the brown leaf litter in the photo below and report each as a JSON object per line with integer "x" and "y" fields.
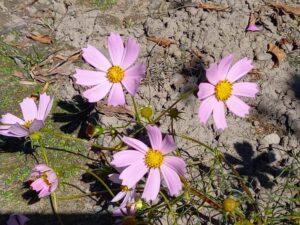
{"x": 161, "y": 41}
{"x": 277, "y": 52}
{"x": 286, "y": 8}
{"x": 210, "y": 6}
{"x": 41, "y": 38}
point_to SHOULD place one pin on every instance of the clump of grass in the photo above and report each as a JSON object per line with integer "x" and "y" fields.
{"x": 105, "y": 4}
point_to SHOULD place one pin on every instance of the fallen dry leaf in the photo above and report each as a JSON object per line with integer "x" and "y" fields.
{"x": 161, "y": 41}
{"x": 287, "y": 8}
{"x": 72, "y": 58}
{"x": 18, "y": 74}
{"x": 255, "y": 74}
{"x": 44, "y": 39}
{"x": 197, "y": 52}
{"x": 213, "y": 6}
{"x": 277, "y": 52}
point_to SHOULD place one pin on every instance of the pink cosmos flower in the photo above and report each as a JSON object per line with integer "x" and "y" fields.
{"x": 126, "y": 214}
{"x": 222, "y": 90}
{"x": 127, "y": 194}
{"x": 34, "y": 117}
{"x": 111, "y": 76}
{"x": 253, "y": 28}
{"x": 44, "y": 180}
{"x": 152, "y": 160}
{"x": 17, "y": 219}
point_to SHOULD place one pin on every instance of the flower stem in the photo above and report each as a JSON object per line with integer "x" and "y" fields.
{"x": 169, "y": 206}
{"x": 183, "y": 96}
{"x": 96, "y": 176}
{"x": 44, "y": 152}
{"x": 137, "y": 117}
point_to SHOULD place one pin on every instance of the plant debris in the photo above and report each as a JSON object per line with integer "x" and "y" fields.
{"x": 161, "y": 41}
{"x": 286, "y": 8}
{"x": 44, "y": 39}
{"x": 213, "y": 6}
{"x": 277, "y": 52}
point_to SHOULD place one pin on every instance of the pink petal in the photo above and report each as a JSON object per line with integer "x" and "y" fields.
{"x": 205, "y": 90}
{"x": 136, "y": 144}
{"x": 45, "y": 105}
{"x": 206, "y": 108}
{"x": 119, "y": 196}
{"x": 41, "y": 168}
{"x": 115, "y": 48}
{"x": 95, "y": 58}
{"x": 89, "y": 77}
{"x": 98, "y": 92}
{"x": 132, "y": 50}
{"x": 155, "y": 137}
{"x": 212, "y": 74}
{"x": 114, "y": 177}
{"x": 253, "y": 28}
{"x": 10, "y": 119}
{"x": 116, "y": 95}
{"x": 35, "y": 126}
{"x": 126, "y": 157}
{"x": 219, "y": 115}
{"x": 152, "y": 185}
{"x": 16, "y": 130}
{"x": 132, "y": 174}
{"x": 224, "y": 65}
{"x": 29, "y": 109}
{"x": 175, "y": 163}
{"x": 133, "y": 77}
{"x": 237, "y": 106}
{"x": 247, "y": 89}
{"x": 239, "y": 69}
{"x": 172, "y": 180}
{"x": 38, "y": 185}
{"x": 45, "y": 192}
{"x": 168, "y": 145}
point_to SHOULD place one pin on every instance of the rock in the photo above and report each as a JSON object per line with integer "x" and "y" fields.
{"x": 175, "y": 51}
{"x": 154, "y": 27}
{"x": 293, "y": 142}
{"x": 263, "y": 56}
{"x": 270, "y": 139}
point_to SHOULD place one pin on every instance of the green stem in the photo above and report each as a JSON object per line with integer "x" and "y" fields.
{"x": 169, "y": 206}
{"x": 96, "y": 176}
{"x": 183, "y": 96}
{"x": 69, "y": 137}
{"x": 137, "y": 117}
{"x": 44, "y": 152}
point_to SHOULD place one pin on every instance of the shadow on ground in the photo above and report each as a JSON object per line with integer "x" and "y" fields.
{"x": 67, "y": 219}
{"x": 255, "y": 168}
{"x": 77, "y": 114}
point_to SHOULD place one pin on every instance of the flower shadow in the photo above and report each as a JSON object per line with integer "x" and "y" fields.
{"x": 256, "y": 168}
{"x": 12, "y": 144}
{"x": 77, "y": 114}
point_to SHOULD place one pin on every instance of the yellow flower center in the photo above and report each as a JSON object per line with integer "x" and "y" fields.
{"x": 154, "y": 159}
{"x": 124, "y": 188}
{"x": 223, "y": 90}
{"x": 45, "y": 179}
{"x": 27, "y": 124}
{"x": 115, "y": 74}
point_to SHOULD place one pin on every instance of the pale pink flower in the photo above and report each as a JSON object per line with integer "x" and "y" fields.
{"x": 152, "y": 160}
{"x": 127, "y": 194}
{"x": 253, "y": 28}
{"x": 17, "y": 219}
{"x": 112, "y": 76}
{"x": 43, "y": 180}
{"x": 34, "y": 117}
{"x": 126, "y": 215}
{"x": 222, "y": 90}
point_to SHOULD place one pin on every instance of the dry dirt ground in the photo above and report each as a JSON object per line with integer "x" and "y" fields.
{"x": 260, "y": 146}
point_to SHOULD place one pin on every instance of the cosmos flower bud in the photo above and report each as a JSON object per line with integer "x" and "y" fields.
{"x": 146, "y": 112}
{"x": 229, "y": 204}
